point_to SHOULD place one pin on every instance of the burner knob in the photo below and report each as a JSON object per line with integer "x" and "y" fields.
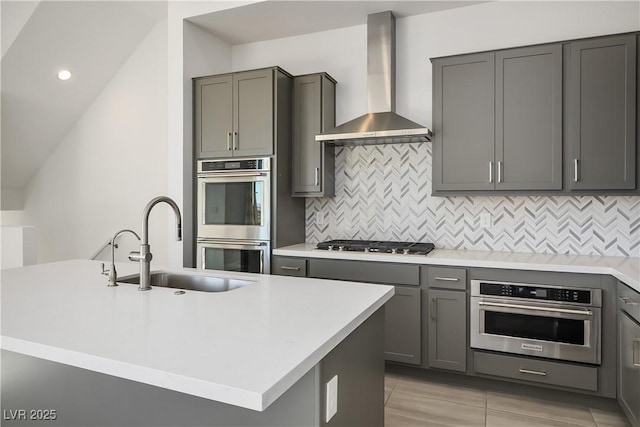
{"x": 340, "y": 248}
{"x": 405, "y": 251}
{"x": 394, "y": 251}
{"x": 366, "y": 249}
{"x": 330, "y": 247}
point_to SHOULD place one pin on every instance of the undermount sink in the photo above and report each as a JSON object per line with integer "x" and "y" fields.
{"x": 190, "y": 282}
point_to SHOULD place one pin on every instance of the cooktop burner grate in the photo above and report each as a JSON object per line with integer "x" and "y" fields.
{"x": 413, "y": 248}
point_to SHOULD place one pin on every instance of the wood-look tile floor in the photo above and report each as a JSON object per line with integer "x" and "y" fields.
{"x": 413, "y": 401}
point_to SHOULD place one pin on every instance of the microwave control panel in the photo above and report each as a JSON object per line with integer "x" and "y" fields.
{"x": 580, "y": 296}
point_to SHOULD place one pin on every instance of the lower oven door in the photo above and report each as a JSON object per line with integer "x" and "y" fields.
{"x": 231, "y": 255}
{"x": 553, "y": 331}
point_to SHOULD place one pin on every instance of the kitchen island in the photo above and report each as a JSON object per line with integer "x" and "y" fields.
{"x": 257, "y": 355}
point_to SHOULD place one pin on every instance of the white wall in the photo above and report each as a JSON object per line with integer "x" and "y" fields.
{"x": 111, "y": 163}
{"x": 19, "y": 246}
{"x": 342, "y": 53}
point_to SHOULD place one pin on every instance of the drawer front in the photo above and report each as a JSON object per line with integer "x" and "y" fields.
{"x": 629, "y": 301}
{"x": 539, "y": 371}
{"x": 285, "y": 266}
{"x": 447, "y": 278}
{"x": 365, "y": 271}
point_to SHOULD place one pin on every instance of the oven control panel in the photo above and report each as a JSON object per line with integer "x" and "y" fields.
{"x": 581, "y": 296}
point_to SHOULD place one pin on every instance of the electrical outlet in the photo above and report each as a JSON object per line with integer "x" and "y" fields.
{"x": 332, "y": 398}
{"x": 485, "y": 220}
{"x": 320, "y": 218}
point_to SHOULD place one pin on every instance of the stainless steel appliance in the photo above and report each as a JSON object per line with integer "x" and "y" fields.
{"x": 234, "y": 215}
{"x": 234, "y": 255}
{"x": 405, "y": 248}
{"x": 554, "y": 322}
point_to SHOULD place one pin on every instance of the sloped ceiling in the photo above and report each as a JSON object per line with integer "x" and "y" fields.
{"x": 92, "y": 39}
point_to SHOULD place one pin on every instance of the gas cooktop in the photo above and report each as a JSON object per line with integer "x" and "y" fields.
{"x": 413, "y": 248}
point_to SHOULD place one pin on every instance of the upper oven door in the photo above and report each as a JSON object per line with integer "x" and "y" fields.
{"x": 537, "y": 329}
{"x": 234, "y": 206}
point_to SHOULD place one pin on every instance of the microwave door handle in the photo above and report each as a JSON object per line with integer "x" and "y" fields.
{"x": 539, "y": 309}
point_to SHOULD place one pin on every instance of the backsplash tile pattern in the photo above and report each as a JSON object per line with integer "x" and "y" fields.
{"x": 384, "y": 192}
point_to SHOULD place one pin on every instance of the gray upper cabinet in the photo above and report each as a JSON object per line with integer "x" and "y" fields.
{"x": 213, "y": 116}
{"x": 498, "y": 120}
{"x": 234, "y": 114}
{"x": 313, "y": 112}
{"x": 529, "y": 118}
{"x": 463, "y": 122}
{"x": 602, "y": 109}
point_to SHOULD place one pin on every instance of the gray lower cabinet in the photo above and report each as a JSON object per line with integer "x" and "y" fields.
{"x": 235, "y": 114}
{"x": 602, "y": 109}
{"x": 402, "y": 326}
{"x": 313, "y": 112}
{"x": 403, "y": 312}
{"x": 447, "y": 322}
{"x": 629, "y": 353}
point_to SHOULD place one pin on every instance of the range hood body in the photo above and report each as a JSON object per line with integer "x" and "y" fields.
{"x": 381, "y": 125}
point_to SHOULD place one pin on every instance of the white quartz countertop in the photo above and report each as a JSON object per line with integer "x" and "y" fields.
{"x": 624, "y": 269}
{"x": 243, "y": 347}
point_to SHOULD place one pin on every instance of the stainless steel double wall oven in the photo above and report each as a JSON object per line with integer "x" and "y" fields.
{"x": 234, "y": 215}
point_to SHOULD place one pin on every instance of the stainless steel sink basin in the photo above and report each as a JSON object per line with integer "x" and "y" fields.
{"x": 190, "y": 282}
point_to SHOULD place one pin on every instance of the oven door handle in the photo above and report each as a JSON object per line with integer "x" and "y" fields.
{"x": 221, "y": 244}
{"x": 532, "y": 308}
{"x": 231, "y": 174}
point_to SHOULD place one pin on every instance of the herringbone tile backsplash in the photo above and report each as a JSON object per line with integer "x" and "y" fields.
{"x": 384, "y": 192}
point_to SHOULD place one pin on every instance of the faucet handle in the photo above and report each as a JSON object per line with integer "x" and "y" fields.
{"x": 104, "y": 272}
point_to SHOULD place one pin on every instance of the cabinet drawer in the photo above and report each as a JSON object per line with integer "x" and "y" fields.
{"x": 284, "y": 266}
{"x": 447, "y": 278}
{"x": 539, "y": 371}
{"x": 365, "y": 271}
{"x": 629, "y": 301}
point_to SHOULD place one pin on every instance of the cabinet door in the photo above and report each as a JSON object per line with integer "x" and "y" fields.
{"x": 629, "y": 367}
{"x": 529, "y": 118}
{"x": 602, "y": 107}
{"x": 213, "y": 116}
{"x": 463, "y": 123}
{"x": 253, "y": 113}
{"x": 402, "y": 326}
{"x": 313, "y": 109}
{"x": 447, "y": 318}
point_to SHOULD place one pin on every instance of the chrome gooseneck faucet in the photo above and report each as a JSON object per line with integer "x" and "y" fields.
{"x": 111, "y": 272}
{"x": 144, "y": 255}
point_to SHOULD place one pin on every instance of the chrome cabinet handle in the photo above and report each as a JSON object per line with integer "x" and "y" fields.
{"x": 499, "y": 171}
{"x": 447, "y": 279}
{"x": 635, "y": 343}
{"x": 575, "y": 170}
{"x": 627, "y": 300}
{"x": 236, "y": 145}
{"x": 317, "y": 175}
{"x": 228, "y": 141}
{"x": 490, "y": 172}
{"x": 433, "y": 309}
{"x": 527, "y": 371}
{"x": 286, "y": 267}
{"x": 534, "y": 308}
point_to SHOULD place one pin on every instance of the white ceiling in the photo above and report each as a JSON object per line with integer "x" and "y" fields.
{"x": 91, "y": 38}
{"x": 278, "y": 19}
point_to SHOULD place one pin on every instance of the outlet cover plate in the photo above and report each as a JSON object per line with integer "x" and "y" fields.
{"x": 332, "y": 398}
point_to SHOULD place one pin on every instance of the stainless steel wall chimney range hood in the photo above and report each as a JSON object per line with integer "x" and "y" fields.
{"x": 381, "y": 125}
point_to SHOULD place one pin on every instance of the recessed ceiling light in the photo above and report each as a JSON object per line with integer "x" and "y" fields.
{"x": 64, "y": 75}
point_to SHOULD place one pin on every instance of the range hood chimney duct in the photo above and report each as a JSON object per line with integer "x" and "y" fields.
{"x": 381, "y": 125}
